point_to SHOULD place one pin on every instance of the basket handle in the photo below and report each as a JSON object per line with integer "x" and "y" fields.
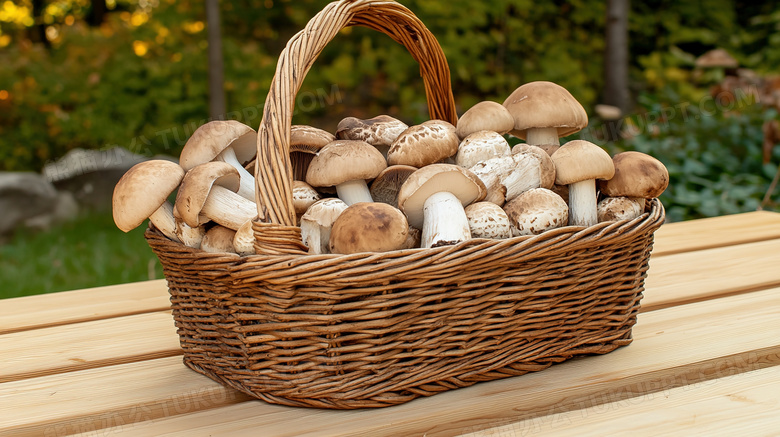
{"x": 273, "y": 170}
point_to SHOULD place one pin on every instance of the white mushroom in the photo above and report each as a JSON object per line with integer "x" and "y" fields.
{"x": 317, "y": 222}
{"x": 578, "y": 164}
{"x": 481, "y": 146}
{"x": 536, "y": 211}
{"x": 488, "y": 220}
{"x": 346, "y": 164}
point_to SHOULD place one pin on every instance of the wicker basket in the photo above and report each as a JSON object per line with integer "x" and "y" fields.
{"x": 374, "y": 330}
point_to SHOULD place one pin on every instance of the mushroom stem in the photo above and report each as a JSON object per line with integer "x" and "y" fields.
{"x": 354, "y": 191}
{"x": 188, "y": 235}
{"x": 444, "y": 221}
{"x": 246, "y": 188}
{"x": 582, "y": 203}
{"x": 228, "y": 208}
{"x": 542, "y": 135}
{"x": 162, "y": 219}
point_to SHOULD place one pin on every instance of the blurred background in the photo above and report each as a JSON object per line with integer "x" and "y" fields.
{"x": 90, "y": 87}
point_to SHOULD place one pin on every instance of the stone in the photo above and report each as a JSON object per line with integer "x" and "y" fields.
{"x": 24, "y": 196}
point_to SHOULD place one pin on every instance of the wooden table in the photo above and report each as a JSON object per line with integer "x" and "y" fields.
{"x": 106, "y": 361}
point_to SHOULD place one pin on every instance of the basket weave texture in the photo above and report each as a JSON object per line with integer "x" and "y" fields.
{"x": 380, "y": 329}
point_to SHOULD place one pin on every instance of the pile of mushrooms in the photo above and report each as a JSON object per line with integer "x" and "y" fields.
{"x": 380, "y": 185}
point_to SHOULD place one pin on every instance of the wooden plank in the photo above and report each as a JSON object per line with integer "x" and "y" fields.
{"x": 706, "y": 274}
{"x": 86, "y": 345}
{"x": 742, "y": 404}
{"x": 713, "y": 232}
{"x": 108, "y": 396}
{"x": 54, "y": 309}
{"x": 673, "y": 347}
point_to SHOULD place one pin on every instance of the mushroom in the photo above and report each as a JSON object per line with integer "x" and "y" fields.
{"x": 379, "y": 131}
{"x": 619, "y": 208}
{"x": 481, "y": 146}
{"x": 423, "y": 144}
{"x": 488, "y": 220}
{"x": 303, "y": 196}
{"x": 208, "y": 192}
{"x": 508, "y": 176}
{"x": 346, "y": 164}
{"x": 485, "y": 115}
{"x": 142, "y": 192}
{"x": 368, "y": 227}
{"x": 386, "y": 185}
{"x": 636, "y": 175}
{"x": 223, "y": 140}
{"x": 716, "y": 58}
{"x": 305, "y": 143}
{"x": 316, "y": 224}
{"x": 244, "y": 239}
{"x": 578, "y": 164}
{"x": 536, "y": 211}
{"x": 433, "y": 199}
{"x": 544, "y": 112}
{"x": 218, "y": 239}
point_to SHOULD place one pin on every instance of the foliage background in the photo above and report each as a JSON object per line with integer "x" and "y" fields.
{"x": 139, "y": 79}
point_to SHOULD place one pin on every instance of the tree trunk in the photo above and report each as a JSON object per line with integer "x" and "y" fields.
{"x": 39, "y": 28}
{"x": 97, "y": 13}
{"x": 616, "y": 91}
{"x": 216, "y": 75}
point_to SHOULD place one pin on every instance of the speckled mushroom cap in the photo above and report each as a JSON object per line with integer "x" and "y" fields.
{"x": 368, "y": 227}
{"x": 345, "y": 160}
{"x": 210, "y": 139}
{"x": 378, "y": 131}
{"x": 619, "y": 208}
{"x": 636, "y": 175}
{"x": 424, "y": 144}
{"x": 545, "y": 105}
{"x": 535, "y": 211}
{"x": 303, "y": 196}
{"x": 486, "y": 115}
{"x": 431, "y": 179}
{"x": 488, "y": 220}
{"x": 581, "y": 160}
{"x": 143, "y": 189}
{"x": 196, "y": 186}
{"x": 481, "y": 146}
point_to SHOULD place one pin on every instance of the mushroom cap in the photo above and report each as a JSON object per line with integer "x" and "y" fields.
{"x": 481, "y": 146}
{"x": 434, "y": 178}
{"x": 303, "y": 196}
{"x": 143, "y": 189}
{"x": 210, "y": 139}
{"x": 545, "y": 105}
{"x": 488, "y": 220}
{"x": 546, "y": 164}
{"x": 345, "y": 160}
{"x": 486, "y": 115}
{"x": 716, "y": 58}
{"x": 636, "y": 175}
{"x": 368, "y": 227}
{"x": 244, "y": 239}
{"x": 196, "y": 186}
{"x": 325, "y": 211}
{"x": 218, "y": 239}
{"x": 581, "y": 160}
{"x": 535, "y": 211}
{"x": 423, "y": 144}
{"x": 386, "y": 185}
{"x": 379, "y": 131}
{"x": 309, "y": 139}
{"x": 619, "y": 208}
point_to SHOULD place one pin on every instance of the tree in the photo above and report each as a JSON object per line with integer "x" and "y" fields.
{"x": 616, "y": 91}
{"x": 216, "y": 75}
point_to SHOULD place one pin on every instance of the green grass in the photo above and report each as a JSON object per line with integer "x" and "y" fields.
{"x": 87, "y": 252}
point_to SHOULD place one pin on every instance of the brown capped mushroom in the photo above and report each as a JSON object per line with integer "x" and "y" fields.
{"x": 486, "y": 115}
{"x": 544, "y": 112}
{"x": 379, "y": 131}
{"x": 305, "y": 143}
{"x": 481, "y": 146}
{"x": 369, "y": 227}
{"x": 303, "y": 196}
{"x": 433, "y": 199}
{"x": 244, "y": 239}
{"x": 346, "y": 164}
{"x": 142, "y": 193}
{"x": 208, "y": 192}
{"x": 218, "y": 239}
{"x": 386, "y": 185}
{"x": 578, "y": 164}
{"x": 619, "y": 208}
{"x": 636, "y": 175}
{"x": 223, "y": 140}
{"x": 423, "y": 144}
{"x": 536, "y": 211}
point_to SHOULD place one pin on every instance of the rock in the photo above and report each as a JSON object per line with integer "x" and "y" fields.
{"x": 65, "y": 208}
{"x": 24, "y": 196}
{"x": 90, "y": 175}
